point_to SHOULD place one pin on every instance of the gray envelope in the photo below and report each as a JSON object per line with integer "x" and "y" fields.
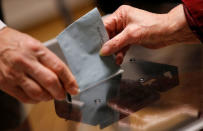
{"x": 80, "y": 43}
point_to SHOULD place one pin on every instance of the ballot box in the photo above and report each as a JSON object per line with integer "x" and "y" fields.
{"x": 162, "y": 90}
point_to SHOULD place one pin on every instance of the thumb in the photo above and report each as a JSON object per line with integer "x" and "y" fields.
{"x": 115, "y": 44}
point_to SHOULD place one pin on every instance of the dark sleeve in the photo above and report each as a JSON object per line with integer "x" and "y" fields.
{"x": 1, "y": 13}
{"x": 194, "y": 15}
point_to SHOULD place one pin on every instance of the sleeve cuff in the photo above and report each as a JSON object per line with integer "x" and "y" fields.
{"x": 2, "y": 25}
{"x": 194, "y": 17}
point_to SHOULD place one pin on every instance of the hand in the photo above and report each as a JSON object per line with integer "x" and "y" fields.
{"x": 128, "y": 25}
{"x": 30, "y": 72}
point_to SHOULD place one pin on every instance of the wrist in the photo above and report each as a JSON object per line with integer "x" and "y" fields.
{"x": 179, "y": 30}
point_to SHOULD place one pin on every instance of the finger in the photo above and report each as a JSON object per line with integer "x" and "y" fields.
{"x": 19, "y": 94}
{"x": 110, "y": 25}
{"x": 33, "y": 90}
{"x": 51, "y": 61}
{"x": 121, "y": 54}
{"x": 114, "y": 23}
{"x": 115, "y": 44}
{"x": 47, "y": 79}
{"x": 119, "y": 58}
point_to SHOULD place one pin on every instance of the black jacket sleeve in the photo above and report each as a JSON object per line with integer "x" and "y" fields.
{"x": 1, "y": 13}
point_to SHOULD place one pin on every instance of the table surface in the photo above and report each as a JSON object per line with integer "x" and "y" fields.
{"x": 176, "y": 106}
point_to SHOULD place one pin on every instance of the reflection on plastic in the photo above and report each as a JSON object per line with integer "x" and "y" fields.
{"x": 106, "y": 104}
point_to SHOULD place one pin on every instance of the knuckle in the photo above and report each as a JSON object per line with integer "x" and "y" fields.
{"x": 18, "y": 59}
{"x": 31, "y": 90}
{"x": 34, "y": 45}
{"x": 10, "y": 74}
{"x": 123, "y": 7}
{"x": 59, "y": 68}
{"x": 130, "y": 33}
{"x": 51, "y": 81}
{"x": 36, "y": 93}
{"x": 121, "y": 11}
{"x": 71, "y": 82}
{"x": 21, "y": 79}
{"x": 114, "y": 45}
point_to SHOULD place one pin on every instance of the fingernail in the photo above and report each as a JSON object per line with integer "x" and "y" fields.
{"x": 104, "y": 50}
{"x": 77, "y": 90}
{"x": 100, "y": 53}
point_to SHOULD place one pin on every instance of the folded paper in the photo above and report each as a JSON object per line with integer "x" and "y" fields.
{"x": 81, "y": 43}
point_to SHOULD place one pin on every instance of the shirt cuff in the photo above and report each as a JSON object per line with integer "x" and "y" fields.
{"x": 2, "y": 25}
{"x": 193, "y": 12}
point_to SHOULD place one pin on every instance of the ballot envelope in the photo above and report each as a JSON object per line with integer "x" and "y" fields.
{"x": 108, "y": 92}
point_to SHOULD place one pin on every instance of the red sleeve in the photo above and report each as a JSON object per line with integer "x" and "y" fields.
{"x": 194, "y": 15}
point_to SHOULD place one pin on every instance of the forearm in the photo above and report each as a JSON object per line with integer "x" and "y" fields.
{"x": 179, "y": 30}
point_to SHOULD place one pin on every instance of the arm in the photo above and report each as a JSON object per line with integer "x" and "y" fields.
{"x": 129, "y": 25}
{"x": 194, "y": 15}
{"x": 29, "y": 71}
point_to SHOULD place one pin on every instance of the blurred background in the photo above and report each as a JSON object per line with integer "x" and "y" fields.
{"x": 45, "y": 19}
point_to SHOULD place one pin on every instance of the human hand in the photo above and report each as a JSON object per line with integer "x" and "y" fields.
{"x": 128, "y": 25}
{"x": 30, "y": 72}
